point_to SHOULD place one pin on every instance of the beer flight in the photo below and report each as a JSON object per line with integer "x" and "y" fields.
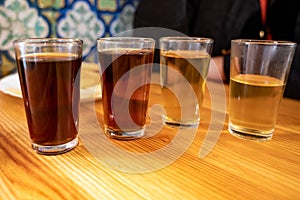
{"x": 49, "y": 72}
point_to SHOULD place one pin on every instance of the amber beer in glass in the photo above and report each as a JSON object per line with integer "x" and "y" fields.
{"x": 184, "y": 63}
{"x": 259, "y": 72}
{"x": 125, "y": 67}
{"x": 49, "y": 72}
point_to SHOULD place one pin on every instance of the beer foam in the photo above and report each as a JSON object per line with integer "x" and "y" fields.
{"x": 257, "y": 80}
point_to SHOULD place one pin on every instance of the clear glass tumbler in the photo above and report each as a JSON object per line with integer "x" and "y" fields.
{"x": 49, "y": 72}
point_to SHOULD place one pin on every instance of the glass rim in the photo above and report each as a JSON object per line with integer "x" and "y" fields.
{"x": 125, "y": 39}
{"x": 186, "y": 39}
{"x": 263, "y": 42}
{"x": 48, "y": 41}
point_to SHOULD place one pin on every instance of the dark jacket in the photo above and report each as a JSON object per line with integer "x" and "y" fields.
{"x": 227, "y": 20}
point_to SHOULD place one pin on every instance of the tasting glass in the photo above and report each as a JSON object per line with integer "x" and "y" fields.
{"x": 259, "y": 71}
{"x": 49, "y": 73}
{"x": 184, "y": 64}
{"x": 125, "y": 68}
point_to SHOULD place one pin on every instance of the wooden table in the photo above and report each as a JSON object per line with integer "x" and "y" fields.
{"x": 233, "y": 169}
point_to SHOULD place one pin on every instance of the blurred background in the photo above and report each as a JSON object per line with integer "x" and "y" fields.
{"x": 84, "y": 19}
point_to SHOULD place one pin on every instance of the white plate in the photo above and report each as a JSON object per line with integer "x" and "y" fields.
{"x": 11, "y": 85}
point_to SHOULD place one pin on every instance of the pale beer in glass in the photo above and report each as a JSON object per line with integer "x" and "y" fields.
{"x": 259, "y": 71}
{"x": 184, "y": 67}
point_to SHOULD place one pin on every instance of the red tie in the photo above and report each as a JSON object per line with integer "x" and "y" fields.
{"x": 264, "y": 7}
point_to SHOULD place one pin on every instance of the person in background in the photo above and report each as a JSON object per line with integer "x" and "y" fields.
{"x": 227, "y": 20}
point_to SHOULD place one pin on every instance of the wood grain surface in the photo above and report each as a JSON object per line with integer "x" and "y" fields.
{"x": 233, "y": 169}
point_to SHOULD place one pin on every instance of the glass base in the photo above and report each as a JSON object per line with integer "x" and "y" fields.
{"x": 250, "y": 134}
{"x": 57, "y": 149}
{"x": 180, "y": 124}
{"x": 122, "y": 135}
